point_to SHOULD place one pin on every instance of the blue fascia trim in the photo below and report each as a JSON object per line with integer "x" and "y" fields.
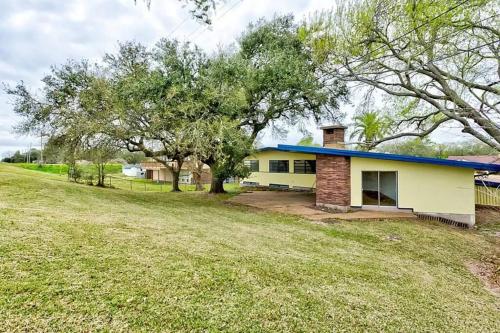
{"x": 487, "y": 183}
{"x": 392, "y": 157}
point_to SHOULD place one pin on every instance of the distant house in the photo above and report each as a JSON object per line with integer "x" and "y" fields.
{"x": 487, "y": 184}
{"x": 133, "y": 170}
{"x": 346, "y": 179}
{"x": 482, "y": 177}
{"x": 158, "y": 172}
{"x": 490, "y": 159}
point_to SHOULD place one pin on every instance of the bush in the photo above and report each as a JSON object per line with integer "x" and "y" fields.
{"x": 88, "y": 178}
{"x": 75, "y": 173}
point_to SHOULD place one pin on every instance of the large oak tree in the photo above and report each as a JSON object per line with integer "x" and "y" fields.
{"x": 438, "y": 61}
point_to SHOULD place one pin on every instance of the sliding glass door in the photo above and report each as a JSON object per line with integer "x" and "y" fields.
{"x": 380, "y": 188}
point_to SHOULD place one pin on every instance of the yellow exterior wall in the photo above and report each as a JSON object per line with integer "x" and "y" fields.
{"x": 423, "y": 187}
{"x": 264, "y": 177}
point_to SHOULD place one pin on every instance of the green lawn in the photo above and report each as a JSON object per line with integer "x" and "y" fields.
{"x": 141, "y": 184}
{"x": 115, "y": 179}
{"x": 80, "y": 258}
{"x": 62, "y": 169}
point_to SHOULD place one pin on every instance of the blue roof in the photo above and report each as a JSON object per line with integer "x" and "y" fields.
{"x": 384, "y": 156}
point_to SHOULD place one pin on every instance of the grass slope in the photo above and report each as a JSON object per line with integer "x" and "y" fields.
{"x": 80, "y": 258}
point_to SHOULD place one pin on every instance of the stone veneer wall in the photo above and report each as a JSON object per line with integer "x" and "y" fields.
{"x": 333, "y": 181}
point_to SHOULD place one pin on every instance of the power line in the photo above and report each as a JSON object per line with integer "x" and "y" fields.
{"x": 235, "y": 4}
{"x": 177, "y": 27}
{"x": 181, "y": 24}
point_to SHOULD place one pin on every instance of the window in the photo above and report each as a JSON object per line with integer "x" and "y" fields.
{"x": 380, "y": 188}
{"x": 253, "y": 165}
{"x": 304, "y": 166}
{"x": 280, "y": 166}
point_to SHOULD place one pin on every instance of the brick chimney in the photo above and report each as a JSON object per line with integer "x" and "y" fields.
{"x": 333, "y": 136}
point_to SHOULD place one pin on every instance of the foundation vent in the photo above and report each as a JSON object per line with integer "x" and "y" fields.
{"x": 426, "y": 217}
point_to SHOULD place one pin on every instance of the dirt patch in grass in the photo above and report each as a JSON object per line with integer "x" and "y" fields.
{"x": 488, "y": 220}
{"x": 487, "y": 215}
{"x": 488, "y": 271}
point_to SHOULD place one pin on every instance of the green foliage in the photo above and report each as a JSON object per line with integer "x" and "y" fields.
{"x": 75, "y": 108}
{"x": 75, "y": 173}
{"x": 18, "y": 157}
{"x": 132, "y": 157}
{"x": 425, "y": 147}
{"x": 281, "y": 79}
{"x": 437, "y": 58}
{"x": 62, "y": 169}
{"x": 154, "y": 100}
{"x": 53, "y": 153}
{"x": 308, "y": 140}
{"x": 368, "y": 128}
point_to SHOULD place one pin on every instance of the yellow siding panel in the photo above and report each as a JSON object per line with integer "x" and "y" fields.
{"x": 264, "y": 177}
{"x": 423, "y": 187}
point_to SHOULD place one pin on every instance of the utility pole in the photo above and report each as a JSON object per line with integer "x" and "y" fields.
{"x": 28, "y": 155}
{"x": 41, "y": 148}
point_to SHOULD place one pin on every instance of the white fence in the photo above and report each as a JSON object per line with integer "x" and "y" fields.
{"x": 488, "y": 196}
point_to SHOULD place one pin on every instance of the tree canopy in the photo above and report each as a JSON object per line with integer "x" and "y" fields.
{"x": 172, "y": 101}
{"x": 437, "y": 60}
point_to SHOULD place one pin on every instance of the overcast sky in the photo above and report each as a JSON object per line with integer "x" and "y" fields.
{"x": 35, "y": 34}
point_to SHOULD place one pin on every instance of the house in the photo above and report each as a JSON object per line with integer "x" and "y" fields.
{"x": 482, "y": 178}
{"x": 348, "y": 179}
{"x": 158, "y": 172}
{"x": 133, "y": 170}
{"x": 489, "y": 159}
{"x": 487, "y": 184}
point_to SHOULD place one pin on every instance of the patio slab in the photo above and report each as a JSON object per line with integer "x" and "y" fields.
{"x": 303, "y": 204}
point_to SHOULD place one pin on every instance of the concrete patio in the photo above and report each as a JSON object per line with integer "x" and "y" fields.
{"x": 303, "y": 204}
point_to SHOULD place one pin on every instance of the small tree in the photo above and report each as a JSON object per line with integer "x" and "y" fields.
{"x": 368, "y": 128}
{"x": 100, "y": 151}
{"x": 308, "y": 140}
{"x": 76, "y": 106}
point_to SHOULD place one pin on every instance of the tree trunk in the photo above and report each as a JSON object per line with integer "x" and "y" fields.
{"x": 175, "y": 180}
{"x": 199, "y": 186}
{"x": 217, "y": 185}
{"x": 103, "y": 176}
{"x": 100, "y": 175}
{"x": 176, "y": 171}
{"x": 197, "y": 174}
